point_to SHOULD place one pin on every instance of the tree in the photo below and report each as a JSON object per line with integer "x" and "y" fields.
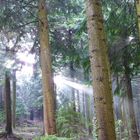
{"x": 124, "y": 52}
{"x": 100, "y": 71}
{"x": 8, "y": 104}
{"x": 138, "y": 14}
{"x": 128, "y": 90}
{"x": 47, "y": 78}
{"x": 14, "y": 99}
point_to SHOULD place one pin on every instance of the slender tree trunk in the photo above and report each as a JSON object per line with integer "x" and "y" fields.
{"x": 71, "y": 68}
{"x": 47, "y": 77}
{"x": 55, "y": 98}
{"x": 89, "y": 120}
{"x": 32, "y": 114}
{"x": 14, "y": 99}
{"x": 78, "y": 101}
{"x": 3, "y": 97}
{"x": 138, "y": 113}
{"x": 85, "y": 109}
{"x": 86, "y": 112}
{"x": 124, "y": 113}
{"x": 1, "y": 102}
{"x": 8, "y": 105}
{"x": 100, "y": 71}
{"x": 83, "y": 103}
{"x": 128, "y": 86}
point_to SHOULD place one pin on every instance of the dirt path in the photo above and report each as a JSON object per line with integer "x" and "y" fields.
{"x": 25, "y": 131}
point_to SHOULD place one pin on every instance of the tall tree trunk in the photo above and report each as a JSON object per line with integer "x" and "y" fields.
{"x": 86, "y": 112}
{"x": 32, "y": 114}
{"x": 83, "y": 103}
{"x": 128, "y": 86}
{"x": 1, "y": 101}
{"x": 71, "y": 68}
{"x": 78, "y": 101}
{"x": 14, "y": 99}
{"x": 8, "y": 105}
{"x": 124, "y": 112}
{"x": 89, "y": 119}
{"x": 47, "y": 77}
{"x": 138, "y": 14}
{"x": 100, "y": 71}
{"x": 55, "y": 98}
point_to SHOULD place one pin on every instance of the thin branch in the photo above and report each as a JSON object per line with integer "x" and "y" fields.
{"x": 29, "y": 3}
{"x": 23, "y": 25}
{"x": 31, "y": 13}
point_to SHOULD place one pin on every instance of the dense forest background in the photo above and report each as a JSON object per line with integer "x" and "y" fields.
{"x": 70, "y": 69}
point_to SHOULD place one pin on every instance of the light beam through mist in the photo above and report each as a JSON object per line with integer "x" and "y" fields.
{"x": 60, "y": 81}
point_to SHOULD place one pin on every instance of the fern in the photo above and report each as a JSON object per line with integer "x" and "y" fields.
{"x": 70, "y": 123}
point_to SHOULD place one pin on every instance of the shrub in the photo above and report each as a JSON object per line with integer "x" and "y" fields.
{"x": 70, "y": 124}
{"x": 121, "y": 130}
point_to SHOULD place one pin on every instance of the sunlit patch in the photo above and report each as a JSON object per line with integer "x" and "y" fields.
{"x": 130, "y": 38}
{"x": 61, "y": 81}
{"x": 58, "y": 80}
{"x": 8, "y": 64}
{"x": 27, "y": 61}
{"x": 26, "y": 58}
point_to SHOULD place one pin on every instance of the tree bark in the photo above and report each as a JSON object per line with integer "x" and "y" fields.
{"x": 1, "y": 100}
{"x": 83, "y": 103}
{"x": 14, "y": 99}
{"x": 78, "y": 101}
{"x": 32, "y": 114}
{"x": 47, "y": 77}
{"x": 138, "y": 15}
{"x": 8, "y": 105}
{"x": 100, "y": 71}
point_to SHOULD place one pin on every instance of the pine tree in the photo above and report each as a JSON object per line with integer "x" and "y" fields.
{"x": 100, "y": 71}
{"x": 47, "y": 78}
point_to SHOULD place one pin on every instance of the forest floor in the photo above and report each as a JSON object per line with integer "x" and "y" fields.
{"x": 25, "y": 131}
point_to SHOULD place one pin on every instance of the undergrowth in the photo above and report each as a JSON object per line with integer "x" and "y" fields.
{"x": 51, "y": 138}
{"x": 70, "y": 124}
{"x": 2, "y": 116}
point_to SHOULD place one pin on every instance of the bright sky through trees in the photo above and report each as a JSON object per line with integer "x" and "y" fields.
{"x": 27, "y": 68}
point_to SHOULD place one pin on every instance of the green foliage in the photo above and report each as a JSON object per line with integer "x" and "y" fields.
{"x": 28, "y": 95}
{"x": 122, "y": 35}
{"x": 119, "y": 91}
{"x": 70, "y": 123}
{"x": 51, "y": 138}
{"x": 21, "y": 109}
{"x": 94, "y": 132}
{"x": 2, "y": 116}
{"x": 121, "y": 131}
